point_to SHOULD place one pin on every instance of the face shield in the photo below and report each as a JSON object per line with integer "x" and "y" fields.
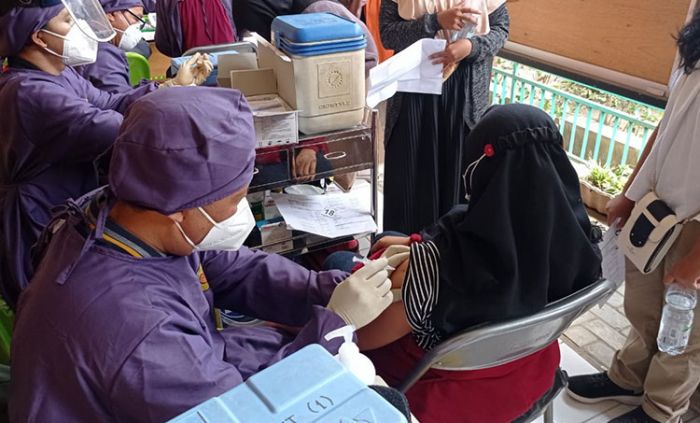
{"x": 88, "y": 15}
{"x": 90, "y": 18}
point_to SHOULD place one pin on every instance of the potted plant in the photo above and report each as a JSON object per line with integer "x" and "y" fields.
{"x": 602, "y": 184}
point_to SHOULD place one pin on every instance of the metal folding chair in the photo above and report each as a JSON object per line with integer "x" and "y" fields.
{"x": 499, "y": 343}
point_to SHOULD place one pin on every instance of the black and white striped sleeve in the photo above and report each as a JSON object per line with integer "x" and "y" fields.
{"x": 420, "y": 292}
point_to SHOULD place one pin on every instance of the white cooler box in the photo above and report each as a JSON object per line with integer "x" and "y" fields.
{"x": 320, "y": 65}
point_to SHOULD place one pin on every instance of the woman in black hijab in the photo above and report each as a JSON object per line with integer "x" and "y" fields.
{"x": 523, "y": 241}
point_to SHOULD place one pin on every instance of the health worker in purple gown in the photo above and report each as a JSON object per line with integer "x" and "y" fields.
{"x": 119, "y": 322}
{"x": 54, "y": 122}
{"x": 110, "y": 72}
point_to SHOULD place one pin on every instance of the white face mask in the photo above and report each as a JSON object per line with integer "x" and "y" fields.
{"x": 78, "y": 48}
{"x": 130, "y": 37}
{"x": 229, "y": 234}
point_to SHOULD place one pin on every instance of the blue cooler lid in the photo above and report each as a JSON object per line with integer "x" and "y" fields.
{"x": 313, "y": 27}
{"x": 317, "y": 49}
{"x": 309, "y": 386}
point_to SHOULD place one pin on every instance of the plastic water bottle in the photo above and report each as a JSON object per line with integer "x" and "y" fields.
{"x": 465, "y": 33}
{"x": 676, "y": 320}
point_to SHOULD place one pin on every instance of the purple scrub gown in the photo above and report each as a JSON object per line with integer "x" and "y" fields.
{"x": 111, "y": 329}
{"x": 110, "y": 72}
{"x": 53, "y": 128}
{"x": 134, "y": 339}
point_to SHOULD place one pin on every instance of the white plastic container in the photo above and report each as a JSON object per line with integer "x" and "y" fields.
{"x": 327, "y": 91}
{"x": 350, "y": 356}
{"x": 320, "y": 69}
{"x": 330, "y": 91}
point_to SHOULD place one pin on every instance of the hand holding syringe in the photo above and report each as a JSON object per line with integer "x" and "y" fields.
{"x": 365, "y": 261}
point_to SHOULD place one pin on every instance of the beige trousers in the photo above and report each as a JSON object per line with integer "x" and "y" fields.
{"x": 668, "y": 382}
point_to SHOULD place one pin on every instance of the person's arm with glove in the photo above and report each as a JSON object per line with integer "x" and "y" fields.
{"x": 356, "y": 301}
{"x": 193, "y": 72}
{"x": 392, "y": 324}
{"x": 362, "y": 297}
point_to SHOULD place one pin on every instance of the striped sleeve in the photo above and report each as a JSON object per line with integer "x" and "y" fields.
{"x": 420, "y": 292}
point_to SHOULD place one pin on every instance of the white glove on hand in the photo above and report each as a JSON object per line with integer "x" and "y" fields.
{"x": 202, "y": 69}
{"x": 193, "y": 72}
{"x": 397, "y": 254}
{"x": 363, "y": 296}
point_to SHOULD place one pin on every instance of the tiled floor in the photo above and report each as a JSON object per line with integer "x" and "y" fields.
{"x": 566, "y": 410}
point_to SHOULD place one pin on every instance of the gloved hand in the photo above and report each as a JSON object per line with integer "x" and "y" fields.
{"x": 363, "y": 296}
{"x": 193, "y": 72}
{"x": 397, "y": 254}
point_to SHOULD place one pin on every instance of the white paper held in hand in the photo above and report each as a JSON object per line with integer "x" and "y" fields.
{"x": 613, "y": 258}
{"x": 410, "y": 70}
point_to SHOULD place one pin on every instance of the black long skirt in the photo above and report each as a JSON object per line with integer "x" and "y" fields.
{"x": 424, "y": 157}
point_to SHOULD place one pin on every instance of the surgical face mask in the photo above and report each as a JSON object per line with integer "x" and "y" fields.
{"x": 229, "y": 234}
{"x": 78, "y": 48}
{"x": 130, "y": 37}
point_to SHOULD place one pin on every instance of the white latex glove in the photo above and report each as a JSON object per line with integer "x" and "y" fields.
{"x": 193, "y": 72}
{"x": 397, "y": 254}
{"x": 202, "y": 69}
{"x": 363, "y": 296}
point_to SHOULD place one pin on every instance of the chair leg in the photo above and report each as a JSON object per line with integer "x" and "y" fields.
{"x": 549, "y": 413}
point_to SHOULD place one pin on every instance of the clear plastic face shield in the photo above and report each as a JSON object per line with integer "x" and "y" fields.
{"x": 90, "y": 18}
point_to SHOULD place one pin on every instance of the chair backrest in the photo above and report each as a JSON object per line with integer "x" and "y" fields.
{"x": 240, "y": 46}
{"x": 499, "y": 343}
{"x": 139, "y": 69}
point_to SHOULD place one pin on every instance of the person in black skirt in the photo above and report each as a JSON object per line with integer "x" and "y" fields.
{"x": 425, "y": 133}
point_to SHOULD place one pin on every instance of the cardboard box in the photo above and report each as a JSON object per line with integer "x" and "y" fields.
{"x": 229, "y": 62}
{"x": 276, "y": 238}
{"x": 276, "y": 123}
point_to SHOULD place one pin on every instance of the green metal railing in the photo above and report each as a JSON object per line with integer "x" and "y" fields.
{"x": 591, "y": 131}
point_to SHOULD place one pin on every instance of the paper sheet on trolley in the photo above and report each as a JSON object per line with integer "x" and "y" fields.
{"x": 330, "y": 215}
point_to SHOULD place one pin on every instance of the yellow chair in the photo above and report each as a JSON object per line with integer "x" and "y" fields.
{"x": 139, "y": 69}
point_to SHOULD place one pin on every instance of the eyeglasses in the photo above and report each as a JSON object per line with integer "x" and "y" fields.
{"x": 144, "y": 23}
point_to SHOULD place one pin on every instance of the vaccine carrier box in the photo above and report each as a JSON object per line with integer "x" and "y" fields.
{"x": 319, "y": 59}
{"x": 310, "y": 386}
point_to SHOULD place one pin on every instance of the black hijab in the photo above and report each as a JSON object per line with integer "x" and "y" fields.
{"x": 524, "y": 240}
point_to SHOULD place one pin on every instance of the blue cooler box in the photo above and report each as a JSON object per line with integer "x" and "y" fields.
{"x": 176, "y": 62}
{"x": 313, "y": 34}
{"x": 308, "y": 386}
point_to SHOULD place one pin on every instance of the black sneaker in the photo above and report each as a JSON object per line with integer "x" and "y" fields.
{"x": 635, "y": 416}
{"x": 598, "y": 387}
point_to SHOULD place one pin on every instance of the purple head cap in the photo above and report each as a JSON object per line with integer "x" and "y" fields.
{"x": 183, "y": 147}
{"x": 18, "y": 25}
